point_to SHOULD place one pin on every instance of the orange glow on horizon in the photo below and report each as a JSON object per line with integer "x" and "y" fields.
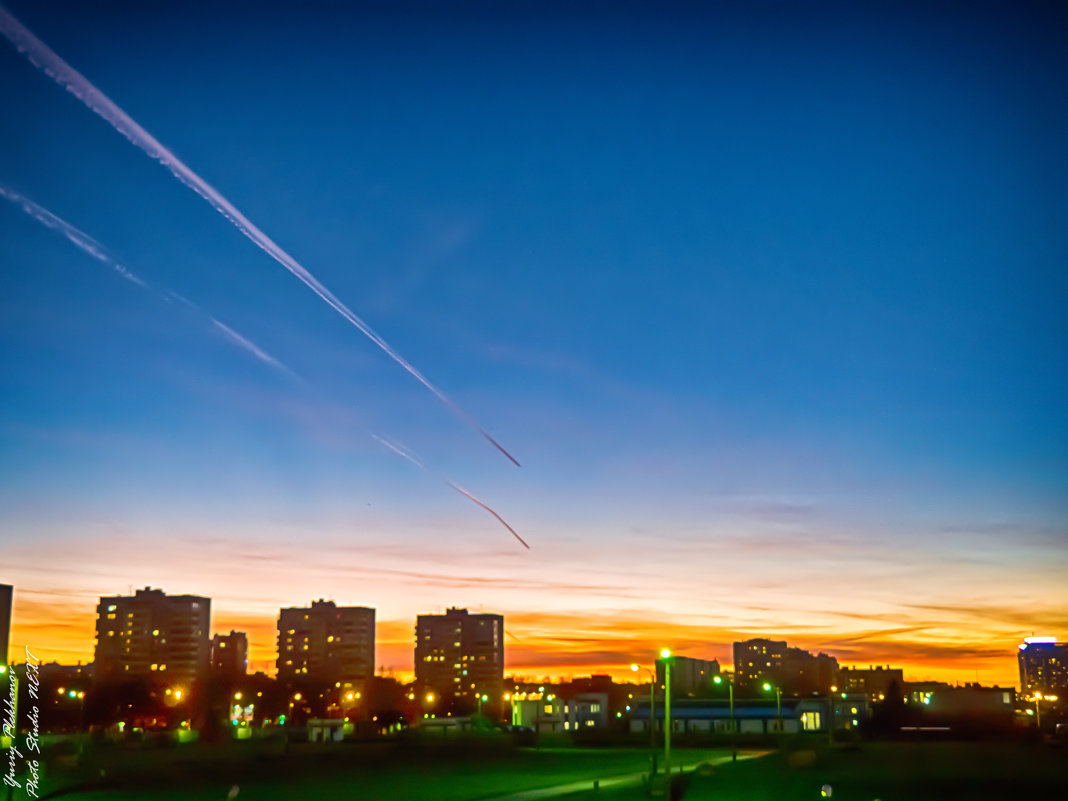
{"x": 69, "y": 639}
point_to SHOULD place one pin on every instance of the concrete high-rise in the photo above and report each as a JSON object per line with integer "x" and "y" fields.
{"x": 152, "y": 635}
{"x": 757, "y": 661}
{"x": 326, "y": 643}
{"x": 1043, "y": 666}
{"x": 6, "y": 594}
{"x": 460, "y": 655}
{"x": 689, "y": 676}
{"x": 793, "y": 670}
{"x": 229, "y": 654}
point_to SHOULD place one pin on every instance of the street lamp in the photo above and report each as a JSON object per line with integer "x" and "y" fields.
{"x": 1038, "y": 709}
{"x": 730, "y": 687}
{"x": 481, "y": 698}
{"x": 665, "y": 655}
{"x": 830, "y": 714}
{"x": 652, "y": 712}
{"x": 778, "y": 701}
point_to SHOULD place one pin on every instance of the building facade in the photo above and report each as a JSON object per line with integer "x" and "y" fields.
{"x": 689, "y": 676}
{"x": 6, "y": 594}
{"x": 793, "y": 670}
{"x": 326, "y": 643}
{"x": 757, "y": 661}
{"x": 1043, "y": 666}
{"x": 229, "y": 654}
{"x": 461, "y": 655}
{"x": 874, "y": 682}
{"x": 152, "y": 635}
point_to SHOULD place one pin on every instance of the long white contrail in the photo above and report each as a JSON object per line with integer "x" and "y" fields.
{"x": 42, "y": 57}
{"x": 89, "y": 245}
{"x": 403, "y": 452}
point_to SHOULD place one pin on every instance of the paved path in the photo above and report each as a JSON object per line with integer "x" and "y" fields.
{"x": 614, "y": 781}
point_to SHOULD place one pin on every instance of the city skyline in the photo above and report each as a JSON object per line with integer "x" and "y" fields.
{"x": 566, "y": 665}
{"x": 768, "y": 308}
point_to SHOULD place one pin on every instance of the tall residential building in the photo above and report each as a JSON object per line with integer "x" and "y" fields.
{"x": 229, "y": 654}
{"x": 757, "y": 661}
{"x": 806, "y": 674}
{"x": 689, "y": 676}
{"x": 459, "y": 654}
{"x": 1043, "y": 666}
{"x": 875, "y": 682}
{"x": 152, "y": 635}
{"x": 326, "y": 643}
{"x": 794, "y": 670}
{"x": 6, "y": 592}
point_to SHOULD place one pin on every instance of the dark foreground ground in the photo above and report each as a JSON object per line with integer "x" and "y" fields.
{"x": 937, "y": 771}
{"x": 456, "y": 770}
{"x": 474, "y": 771}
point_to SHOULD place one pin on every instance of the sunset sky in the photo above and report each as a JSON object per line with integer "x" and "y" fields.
{"x": 769, "y": 304}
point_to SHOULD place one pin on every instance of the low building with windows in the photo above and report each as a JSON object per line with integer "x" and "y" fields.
{"x": 751, "y": 716}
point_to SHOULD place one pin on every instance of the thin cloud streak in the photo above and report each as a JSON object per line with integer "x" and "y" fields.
{"x": 48, "y": 62}
{"x": 92, "y": 247}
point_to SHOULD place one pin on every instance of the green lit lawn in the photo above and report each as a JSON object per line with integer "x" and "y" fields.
{"x": 455, "y": 772}
{"x": 353, "y": 773}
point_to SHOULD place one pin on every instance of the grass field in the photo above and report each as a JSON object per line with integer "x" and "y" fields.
{"x": 456, "y": 771}
{"x": 884, "y": 771}
{"x": 476, "y": 771}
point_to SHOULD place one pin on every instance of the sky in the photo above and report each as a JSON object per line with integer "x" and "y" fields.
{"x": 767, "y": 301}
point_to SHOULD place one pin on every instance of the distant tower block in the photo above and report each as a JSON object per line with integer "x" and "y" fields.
{"x": 6, "y": 593}
{"x": 459, "y": 654}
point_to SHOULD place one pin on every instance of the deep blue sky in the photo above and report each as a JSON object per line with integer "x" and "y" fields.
{"x": 698, "y": 269}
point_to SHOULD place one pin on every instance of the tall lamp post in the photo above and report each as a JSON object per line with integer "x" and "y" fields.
{"x": 730, "y": 688}
{"x": 830, "y": 715}
{"x": 778, "y": 701}
{"x": 665, "y": 656}
{"x": 1038, "y": 708}
{"x": 652, "y": 713}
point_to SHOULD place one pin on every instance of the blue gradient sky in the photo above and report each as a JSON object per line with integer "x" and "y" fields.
{"x": 768, "y": 302}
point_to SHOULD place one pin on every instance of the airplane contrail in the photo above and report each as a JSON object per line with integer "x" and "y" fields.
{"x": 48, "y": 62}
{"x": 92, "y": 247}
{"x": 403, "y": 452}
{"x": 89, "y": 245}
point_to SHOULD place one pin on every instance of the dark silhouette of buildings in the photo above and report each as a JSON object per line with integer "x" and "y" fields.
{"x": 460, "y": 655}
{"x": 6, "y": 594}
{"x": 689, "y": 676}
{"x": 326, "y": 643}
{"x": 875, "y": 682}
{"x": 229, "y": 654}
{"x": 1043, "y": 666}
{"x": 152, "y": 635}
{"x": 793, "y": 670}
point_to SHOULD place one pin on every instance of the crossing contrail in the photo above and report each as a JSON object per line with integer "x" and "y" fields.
{"x": 92, "y": 247}
{"x": 89, "y": 245}
{"x": 403, "y": 453}
{"x": 44, "y": 59}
